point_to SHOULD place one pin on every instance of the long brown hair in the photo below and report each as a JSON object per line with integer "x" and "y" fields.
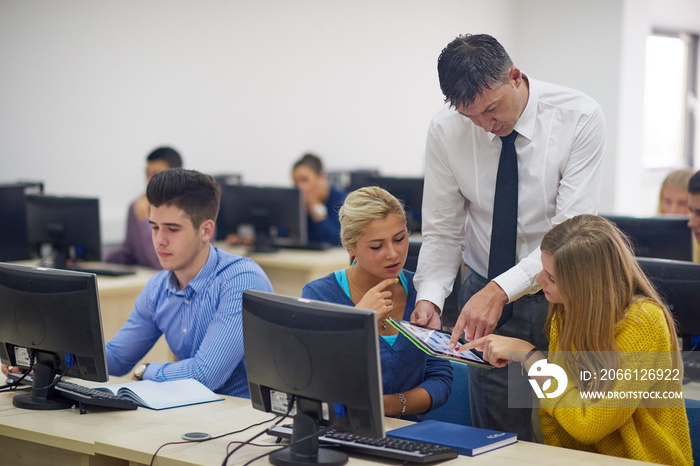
{"x": 598, "y": 279}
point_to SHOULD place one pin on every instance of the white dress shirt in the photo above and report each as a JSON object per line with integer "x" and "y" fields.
{"x": 560, "y": 148}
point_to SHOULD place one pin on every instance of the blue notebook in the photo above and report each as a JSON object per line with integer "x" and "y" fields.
{"x": 466, "y": 440}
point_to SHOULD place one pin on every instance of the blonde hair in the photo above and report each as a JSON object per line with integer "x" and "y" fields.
{"x": 598, "y": 279}
{"x": 678, "y": 179}
{"x": 361, "y": 207}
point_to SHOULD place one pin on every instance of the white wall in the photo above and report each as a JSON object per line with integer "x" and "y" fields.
{"x": 88, "y": 88}
{"x": 577, "y": 44}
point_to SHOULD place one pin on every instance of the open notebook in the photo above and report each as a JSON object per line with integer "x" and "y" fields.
{"x": 163, "y": 395}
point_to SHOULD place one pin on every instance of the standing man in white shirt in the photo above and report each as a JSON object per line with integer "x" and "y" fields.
{"x": 559, "y": 144}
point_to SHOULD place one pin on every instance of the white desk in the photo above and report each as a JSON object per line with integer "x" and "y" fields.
{"x": 65, "y": 437}
{"x": 290, "y": 269}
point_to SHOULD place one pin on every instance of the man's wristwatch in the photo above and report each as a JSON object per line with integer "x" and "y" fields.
{"x": 138, "y": 373}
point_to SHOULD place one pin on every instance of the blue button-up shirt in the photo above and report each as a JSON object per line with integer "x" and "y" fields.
{"x": 202, "y": 324}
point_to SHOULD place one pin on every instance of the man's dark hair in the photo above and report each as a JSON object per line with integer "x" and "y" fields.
{"x": 469, "y": 65}
{"x": 197, "y": 194}
{"x": 694, "y": 184}
{"x": 167, "y": 154}
{"x": 310, "y": 160}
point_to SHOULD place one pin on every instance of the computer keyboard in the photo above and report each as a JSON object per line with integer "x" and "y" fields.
{"x": 402, "y": 450}
{"x": 84, "y": 396}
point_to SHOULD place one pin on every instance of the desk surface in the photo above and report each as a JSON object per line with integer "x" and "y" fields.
{"x": 117, "y": 437}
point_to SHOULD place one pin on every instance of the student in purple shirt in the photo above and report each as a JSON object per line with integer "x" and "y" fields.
{"x": 137, "y": 248}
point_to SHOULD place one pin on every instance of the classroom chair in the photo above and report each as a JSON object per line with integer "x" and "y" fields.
{"x": 456, "y": 410}
{"x": 692, "y": 408}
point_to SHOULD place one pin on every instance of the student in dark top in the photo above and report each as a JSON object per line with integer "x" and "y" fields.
{"x": 322, "y": 201}
{"x": 375, "y": 235}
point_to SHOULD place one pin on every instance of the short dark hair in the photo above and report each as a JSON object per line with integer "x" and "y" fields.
{"x": 167, "y": 154}
{"x": 469, "y": 65}
{"x": 197, "y": 194}
{"x": 310, "y": 160}
{"x": 694, "y": 184}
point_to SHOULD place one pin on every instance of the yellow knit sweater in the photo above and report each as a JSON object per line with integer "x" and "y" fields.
{"x": 658, "y": 435}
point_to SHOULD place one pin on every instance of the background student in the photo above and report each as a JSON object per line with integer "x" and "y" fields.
{"x": 196, "y": 302}
{"x": 137, "y": 248}
{"x": 604, "y": 315}
{"x": 694, "y": 211}
{"x": 373, "y": 230}
{"x": 321, "y": 200}
{"x": 673, "y": 195}
{"x": 559, "y": 138}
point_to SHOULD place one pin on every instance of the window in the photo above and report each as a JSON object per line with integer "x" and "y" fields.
{"x": 670, "y": 90}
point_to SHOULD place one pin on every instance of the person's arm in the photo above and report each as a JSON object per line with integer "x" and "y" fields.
{"x": 327, "y": 227}
{"x": 137, "y": 336}
{"x": 429, "y": 394}
{"x": 480, "y": 314}
{"x": 426, "y": 314}
{"x": 501, "y": 351}
{"x": 444, "y": 214}
{"x": 221, "y": 350}
{"x": 438, "y": 381}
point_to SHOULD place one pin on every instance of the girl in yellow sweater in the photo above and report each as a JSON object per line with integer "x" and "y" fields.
{"x": 614, "y": 338}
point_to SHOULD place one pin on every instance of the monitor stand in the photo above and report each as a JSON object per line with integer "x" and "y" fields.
{"x": 263, "y": 241}
{"x": 303, "y": 448}
{"x": 42, "y": 396}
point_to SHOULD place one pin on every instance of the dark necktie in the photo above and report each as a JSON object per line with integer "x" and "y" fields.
{"x": 502, "y": 255}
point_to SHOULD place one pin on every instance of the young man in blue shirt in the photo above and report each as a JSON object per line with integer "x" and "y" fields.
{"x": 196, "y": 301}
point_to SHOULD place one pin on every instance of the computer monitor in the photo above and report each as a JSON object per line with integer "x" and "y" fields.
{"x": 410, "y": 192}
{"x": 225, "y": 179}
{"x": 664, "y": 237}
{"x": 14, "y": 245}
{"x": 679, "y": 285}
{"x": 50, "y": 323}
{"x": 64, "y": 228}
{"x": 324, "y": 355}
{"x": 275, "y": 215}
{"x": 350, "y": 180}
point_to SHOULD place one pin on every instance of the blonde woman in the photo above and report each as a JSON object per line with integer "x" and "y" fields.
{"x": 373, "y": 230}
{"x": 605, "y": 318}
{"x": 673, "y": 195}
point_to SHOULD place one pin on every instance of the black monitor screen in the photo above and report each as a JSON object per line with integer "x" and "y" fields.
{"x": 661, "y": 237}
{"x": 350, "y": 180}
{"x": 13, "y": 223}
{"x": 66, "y": 228}
{"x": 324, "y": 355}
{"x": 410, "y": 192}
{"x": 225, "y": 179}
{"x": 679, "y": 285}
{"x": 276, "y": 215}
{"x": 50, "y": 323}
